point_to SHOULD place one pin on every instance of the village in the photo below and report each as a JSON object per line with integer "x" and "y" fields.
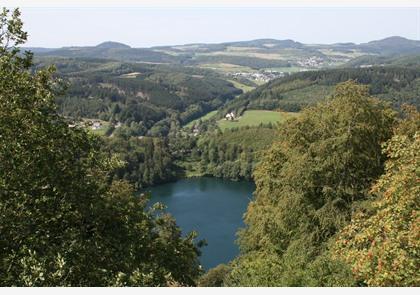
{"x": 311, "y": 62}
{"x": 260, "y": 76}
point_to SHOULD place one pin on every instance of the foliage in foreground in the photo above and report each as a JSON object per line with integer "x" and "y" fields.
{"x": 308, "y": 183}
{"x": 214, "y": 277}
{"x": 383, "y": 244}
{"x": 62, "y": 222}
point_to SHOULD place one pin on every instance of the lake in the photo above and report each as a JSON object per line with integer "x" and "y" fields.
{"x": 213, "y": 207}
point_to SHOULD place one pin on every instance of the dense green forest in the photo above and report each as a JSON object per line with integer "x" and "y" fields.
{"x": 337, "y": 194}
{"x": 233, "y": 153}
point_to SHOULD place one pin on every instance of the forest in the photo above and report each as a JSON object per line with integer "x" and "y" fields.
{"x": 142, "y": 93}
{"x": 337, "y": 186}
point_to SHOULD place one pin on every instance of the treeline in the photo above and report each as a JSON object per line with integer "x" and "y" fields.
{"x": 398, "y": 85}
{"x": 233, "y": 153}
{"x": 336, "y": 201}
{"x": 147, "y": 160}
{"x": 408, "y": 60}
{"x": 224, "y": 160}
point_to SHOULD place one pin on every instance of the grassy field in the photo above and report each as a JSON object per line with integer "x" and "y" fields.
{"x": 287, "y": 69}
{"x": 256, "y": 117}
{"x": 226, "y": 68}
{"x": 269, "y": 56}
{"x": 203, "y": 118}
{"x": 243, "y": 87}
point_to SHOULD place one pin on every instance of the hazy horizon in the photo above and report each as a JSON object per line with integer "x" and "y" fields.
{"x": 149, "y": 27}
{"x": 116, "y": 41}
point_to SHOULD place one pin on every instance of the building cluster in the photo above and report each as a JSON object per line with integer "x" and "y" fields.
{"x": 93, "y": 124}
{"x": 369, "y": 66}
{"x": 262, "y": 76}
{"x": 311, "y": 62}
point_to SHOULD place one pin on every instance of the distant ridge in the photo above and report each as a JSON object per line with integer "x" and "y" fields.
{"x": 393, "y": 42}
{"x": 266, "y": 52}
{"x": 288, "y": 43}
{"x": 112, "y": 44}
{"x": 392, "y": 45}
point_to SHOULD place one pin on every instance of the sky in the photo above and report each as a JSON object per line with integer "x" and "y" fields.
{"x": 146, "y": 27}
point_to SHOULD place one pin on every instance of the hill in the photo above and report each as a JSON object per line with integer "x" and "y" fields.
{"x": 398, "y": 85}
{"x": 392, "y": 45}
{"x": 112, "y": 51}
{"x": 146, "y": 97}
{"x": 284, "y": 56}
{"x": 156, "y": 86}
{"x": 111, "y": 44}
{"x": 408, "y": 60}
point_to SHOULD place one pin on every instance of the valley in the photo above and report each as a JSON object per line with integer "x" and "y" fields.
{"x": 237, "y": 164}
{"x": 160, "y": 83}
{"x": 157, "y": 107}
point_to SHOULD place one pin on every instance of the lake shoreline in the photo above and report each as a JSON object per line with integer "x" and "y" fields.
{"x": 211, "y": 206}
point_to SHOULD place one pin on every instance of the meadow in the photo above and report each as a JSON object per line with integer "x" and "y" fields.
{"x": 203, "y": 118}
{"x": 256, "y": 117}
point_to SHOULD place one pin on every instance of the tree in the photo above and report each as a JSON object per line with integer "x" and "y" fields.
{"x": 309, "y": 181}
{"x": 382, "y": 245}
{"x": 214, "y": 277}
{"x": 63, "y": 222}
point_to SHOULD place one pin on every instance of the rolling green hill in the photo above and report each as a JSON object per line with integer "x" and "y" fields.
{"x": 148, "y": 89}
{"x": 254, "y": 54}
{"x": 398, "y": 85}
{"x": 409, "y": 60}
{"x": 145, "y": 96}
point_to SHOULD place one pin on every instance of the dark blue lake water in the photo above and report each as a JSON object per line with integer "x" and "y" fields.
{"x": 211, "y": 206}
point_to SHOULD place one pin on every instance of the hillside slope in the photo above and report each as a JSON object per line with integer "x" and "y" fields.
{"x": 145, "y": 96}
{"x": 292, "y": 93}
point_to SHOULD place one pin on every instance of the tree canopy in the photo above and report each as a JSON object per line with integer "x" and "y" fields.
{"x": 63, "y": 221}
{"x": 308, "y": 183}
{"x": 383, "y": 244}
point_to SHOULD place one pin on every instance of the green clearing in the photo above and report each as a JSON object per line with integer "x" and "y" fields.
{"x": 350, "y": 54}
{"x": 256, "y": 117}
{"x": 226, "y": 68}
{"x": 203, "y": 118}
{"x": 269, "y": 56}
{"x": 101, "y": 131}
{"x": 293, "y": 69}
{"x": 243, "y": 87}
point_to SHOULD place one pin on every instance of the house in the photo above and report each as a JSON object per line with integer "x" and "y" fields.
{"x": 96, "y": 125}
{"x": 230, "y": 116}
